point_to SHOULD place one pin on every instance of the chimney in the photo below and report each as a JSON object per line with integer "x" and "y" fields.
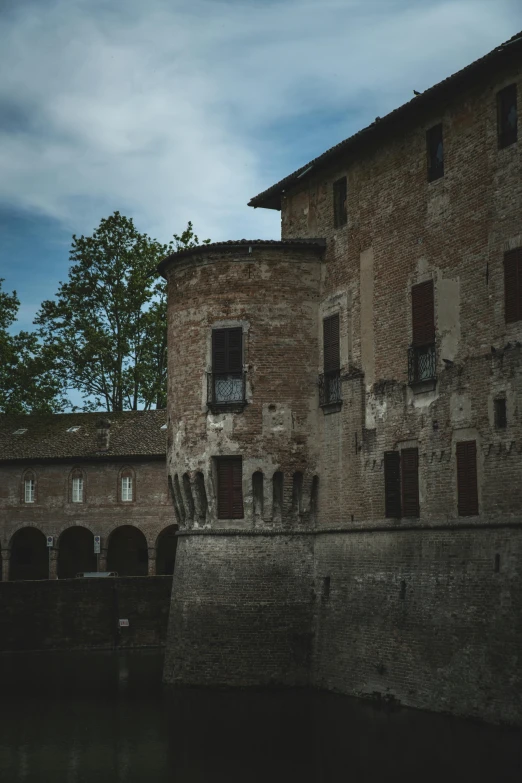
{"x": 103, "y": 432}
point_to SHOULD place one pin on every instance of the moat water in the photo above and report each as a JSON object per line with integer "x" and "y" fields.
{"x": 105, "y": 718}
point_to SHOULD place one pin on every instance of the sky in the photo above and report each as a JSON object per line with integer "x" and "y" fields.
{"x": 177, "y": 110}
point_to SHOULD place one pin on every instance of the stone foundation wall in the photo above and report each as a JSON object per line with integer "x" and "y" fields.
{"x": 84, "y": 613}
{"x": 241, "y": 610}
{"x": 432, "y": 618}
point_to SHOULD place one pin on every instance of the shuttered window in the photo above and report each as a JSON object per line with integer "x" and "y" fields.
{"x": 230, "y": 487}
{"x": 410, "y": 482}
{"x": 392, "y": 484}
{"x": 507, "y": 116}
{"x": 467, "y": 478}
{"x": 513, "y": 285}
{"x": 331, "y": 352}
{"x": 435, "y": 152}
{"x": 227, "y": 350}
{"x": 339, "y": 198}
{"x": 423, "y": 314}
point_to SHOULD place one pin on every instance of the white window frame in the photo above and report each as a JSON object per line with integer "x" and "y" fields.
{"x": 29, "y": 490}
{"x": 126, "y": 489}
{"x": 77, "y": 489}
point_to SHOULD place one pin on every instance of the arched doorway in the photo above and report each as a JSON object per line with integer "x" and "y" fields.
{"x": 166, "y": 550}
{"x": 75, "y": 552}
{"x": 127, "y": 552}
{"x": 29, "y": 557}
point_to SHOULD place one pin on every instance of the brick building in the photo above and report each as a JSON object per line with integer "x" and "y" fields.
{"x": 345, "y": 432}
{"x": 74, "y": 476}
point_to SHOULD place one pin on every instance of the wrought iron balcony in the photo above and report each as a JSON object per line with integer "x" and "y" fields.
{"x": 330, "y": 388}
{"x": 421, "y": 363}
{"x": 226, "y": 391}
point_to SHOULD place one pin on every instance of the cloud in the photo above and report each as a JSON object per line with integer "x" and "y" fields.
{"x": 174, "y": 110}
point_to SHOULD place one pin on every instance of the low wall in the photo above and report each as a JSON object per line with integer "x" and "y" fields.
{"x": 84, "y": 613}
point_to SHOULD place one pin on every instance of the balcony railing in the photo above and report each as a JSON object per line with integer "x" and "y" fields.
{"x": 226, "y": 390}
{"x": 330, "y": 388}
{"x": 421, "y": 363}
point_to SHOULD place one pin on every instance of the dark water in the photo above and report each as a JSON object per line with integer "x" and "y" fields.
{"x": 100, "y": 717}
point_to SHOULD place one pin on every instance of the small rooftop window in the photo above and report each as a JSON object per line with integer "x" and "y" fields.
{"x": 20, "y": 431}
{"x": 73, "y": 429}
{"x": 163, "y": 427}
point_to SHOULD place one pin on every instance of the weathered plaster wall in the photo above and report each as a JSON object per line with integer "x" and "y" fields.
{"x": 273, "y": 295}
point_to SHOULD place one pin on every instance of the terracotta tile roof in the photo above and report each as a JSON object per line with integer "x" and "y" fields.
{"x": 132, "y": 433}
{"x": 507, "y": 52}
{"x": 232, "y": 244}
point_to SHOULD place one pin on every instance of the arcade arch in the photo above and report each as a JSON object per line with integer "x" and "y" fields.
{"x": 29, "y": 558}
{"x": 127, "y": 552}
{"x": 75, "y": 552}
{"x": 166, "y": 545}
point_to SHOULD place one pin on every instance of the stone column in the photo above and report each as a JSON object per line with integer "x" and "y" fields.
{"x": 53, "y": 563}
{"x": 5, "y": 565}
{"x": 152, "y": 561}
{"x": 103, "y": 559}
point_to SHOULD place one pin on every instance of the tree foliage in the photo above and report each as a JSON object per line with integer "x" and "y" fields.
{"x": 106, "y": 328}
{"x": 28, "y": 383}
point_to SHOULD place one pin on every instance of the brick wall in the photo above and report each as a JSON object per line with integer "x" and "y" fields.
{"x": 241, "y": 610}
{"x": 423, "y": 617}
{"x": 84, "y": 613}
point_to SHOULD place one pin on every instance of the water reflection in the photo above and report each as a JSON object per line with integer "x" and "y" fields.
{"x": 103, "y": 717}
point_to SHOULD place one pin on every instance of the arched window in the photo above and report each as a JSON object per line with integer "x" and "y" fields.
{"x": 77, "y": 486}
{"x": 127, "y": 485}
{"x": 29, "y": 487}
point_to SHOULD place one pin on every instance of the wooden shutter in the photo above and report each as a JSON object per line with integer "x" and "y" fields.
{"x": 467, "y": 478}
{"x": 513, "y": 285}
{"x": 227, "y": 350}
{"x": 331, "y": 351}
{"x": 392, "y": 484}
{"x": 410, "y": 482}
{"x": 434, "y": 144}
{"x": 230, "y": 487}
{"x": 423, "y": 314}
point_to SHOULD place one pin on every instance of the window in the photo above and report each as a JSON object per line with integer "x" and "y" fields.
{"x": 230, "y": 487}
{"x": 435, "y": 151}
{"x": 513, "y": 285}
{"x": 330, "y": 383}
{"x": 126, "y": 487}
{"x": 29, "y": 489}
{"x": 467, "y": 478}
{"x": 339, "y": 202}
{"x": 401, "y": 483}
{"x": 227, "y": 381}
{"x": 77, "y": 487}
{"x": 421, "y": 356}
{"x": 507, "y": 118}
{"x": 500, "y": 414}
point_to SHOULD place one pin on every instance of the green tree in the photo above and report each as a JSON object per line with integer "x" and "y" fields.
{"x": 106, "y": 328}
{"x": 28, "y": 383}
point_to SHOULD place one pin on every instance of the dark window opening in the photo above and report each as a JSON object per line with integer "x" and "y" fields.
{"x": 410, "y": 482}
{"x": 339, "y": 196}
{"x": 226, "y": 382}
{"x": 401, "y": 483}
{"x": 230, "y": 487}
{"x": 497, "y": 563}
{"x": 467, "y": 487}
{"x": 500, "y": 414}
{"x": 435, "y": 150}
{"x": 513, "y": 285}
{"x": 421, "y": 354}
{"x": 330, "y": 381}
{"x": 402, "y": 593}
{"x": 507, "y": 116}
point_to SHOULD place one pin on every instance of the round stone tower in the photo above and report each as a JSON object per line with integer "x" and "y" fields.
{"x": 242, "y": 458}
